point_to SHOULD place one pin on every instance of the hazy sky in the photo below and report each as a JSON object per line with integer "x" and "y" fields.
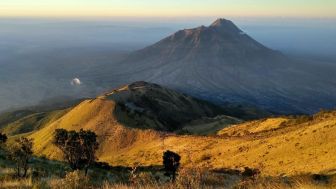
{"x": 285, "y": 8}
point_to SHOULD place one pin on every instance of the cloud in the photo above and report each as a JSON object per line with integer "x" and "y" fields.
{"x": 75, "y": 82}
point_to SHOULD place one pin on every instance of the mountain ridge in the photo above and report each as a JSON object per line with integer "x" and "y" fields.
{"x": 263, "y": 144}
{"x": 222, "y": 64}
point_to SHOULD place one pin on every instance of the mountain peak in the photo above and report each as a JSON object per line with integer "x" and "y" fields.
{"x": 225, "y": 24}
{"x": 220, "y": 22}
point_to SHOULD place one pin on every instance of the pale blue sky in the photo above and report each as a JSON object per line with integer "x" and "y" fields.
{"x": 296, "y": 8}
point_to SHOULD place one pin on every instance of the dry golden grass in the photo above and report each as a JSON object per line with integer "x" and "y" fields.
{"x": 269, "y": 145}
{"x": 96, "y": 115}
{"x": 22, "y": 183}
{"x": 187, "y": 178}
{"x": 205, "y": 180}
{"x": 253, "y": 127}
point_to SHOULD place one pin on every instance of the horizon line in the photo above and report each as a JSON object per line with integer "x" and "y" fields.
{"x": 165, "y": 17}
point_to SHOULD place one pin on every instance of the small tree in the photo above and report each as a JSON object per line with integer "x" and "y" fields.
{"x": 89, "y": 146}
{"x": 78, "y": 148}
{"x": 171, "y": 162}
{"x": 21, "y": 152}
{"x": 3, "y": 139}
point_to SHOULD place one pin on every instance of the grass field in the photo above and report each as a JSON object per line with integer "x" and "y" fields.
{"x": 288, "y": 151}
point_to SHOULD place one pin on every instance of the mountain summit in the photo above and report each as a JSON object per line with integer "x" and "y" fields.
{"x": 220, "y": 43}
{"x": 223, "y": 64}
{"x": 224, "y": 24}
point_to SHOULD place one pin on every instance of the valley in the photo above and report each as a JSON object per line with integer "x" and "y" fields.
{"x": 206, "y": 107}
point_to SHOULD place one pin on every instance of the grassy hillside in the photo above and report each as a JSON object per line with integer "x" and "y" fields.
{"x": 132, "y": 130}
{"x": 130, "y": 117}
{"x": 276, "y": 146}
{"x": 169, "y": 109}
{"x": 10, "y": 117}
{"x": 29, "y": 122}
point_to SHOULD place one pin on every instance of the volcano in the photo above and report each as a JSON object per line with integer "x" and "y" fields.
{"x": 223, "y": 64}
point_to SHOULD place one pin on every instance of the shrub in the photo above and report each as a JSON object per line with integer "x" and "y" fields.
{"x": 75, "y": 180}
{"x": 78, "y": 147}
{"x": 171, "y": 162}
{"x": 3, "y": 138}
{"x": 250, "y": 173}
{"x": 21, "y": 152}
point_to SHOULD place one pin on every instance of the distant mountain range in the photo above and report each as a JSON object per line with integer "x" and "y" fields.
{"x": 223, "y": 64}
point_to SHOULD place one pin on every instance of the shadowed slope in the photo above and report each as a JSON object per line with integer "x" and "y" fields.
{"x": 32, "y": 122}
{"x": 223, "y": 64}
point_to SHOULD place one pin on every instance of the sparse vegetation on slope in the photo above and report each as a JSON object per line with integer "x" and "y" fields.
{"x": 25, "y": 122}
{"x": 135, "y": 135}
{"x": 264, "y": 144}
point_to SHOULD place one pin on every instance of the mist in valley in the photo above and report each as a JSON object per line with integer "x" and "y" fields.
{"x": 39, "y": 58}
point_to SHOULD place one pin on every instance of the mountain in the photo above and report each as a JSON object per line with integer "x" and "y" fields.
{"x": 223, "y": 64}
{"x": 222, "y": 43}
{"x": 132, "y": 121}
{"x": 130, "y": 115}
{"x": 138, "y": 105}
{"x": 263, "y": 144}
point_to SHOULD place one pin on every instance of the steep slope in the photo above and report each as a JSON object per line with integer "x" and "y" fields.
{"x": 168, "y": 109}
{"x": 222, "y": 42}
{"x": 223, "y": 64}
{"x": 276, "y": 146}
{"x": 129, "y": 116}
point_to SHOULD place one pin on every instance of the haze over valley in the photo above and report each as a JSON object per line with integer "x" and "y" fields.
{"x": 178, "y": 94}
{"x": 40, "y": 57}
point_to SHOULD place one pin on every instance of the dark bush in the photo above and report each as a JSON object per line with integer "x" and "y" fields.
{"x": 3, "y": 138}
{"x": 250, "y": 172}
{"x": 320, "y": 178}
{"x": 171, "y": 162}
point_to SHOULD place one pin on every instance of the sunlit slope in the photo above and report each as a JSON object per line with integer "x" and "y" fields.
{"x": 96, "y": 115}
{"x": 132, "y": 123}
{"x": 288, "y": 149}
{"x": 127, "y": 117}
{"x": 275, "y": 146}
{"x": 275, "y": 149}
